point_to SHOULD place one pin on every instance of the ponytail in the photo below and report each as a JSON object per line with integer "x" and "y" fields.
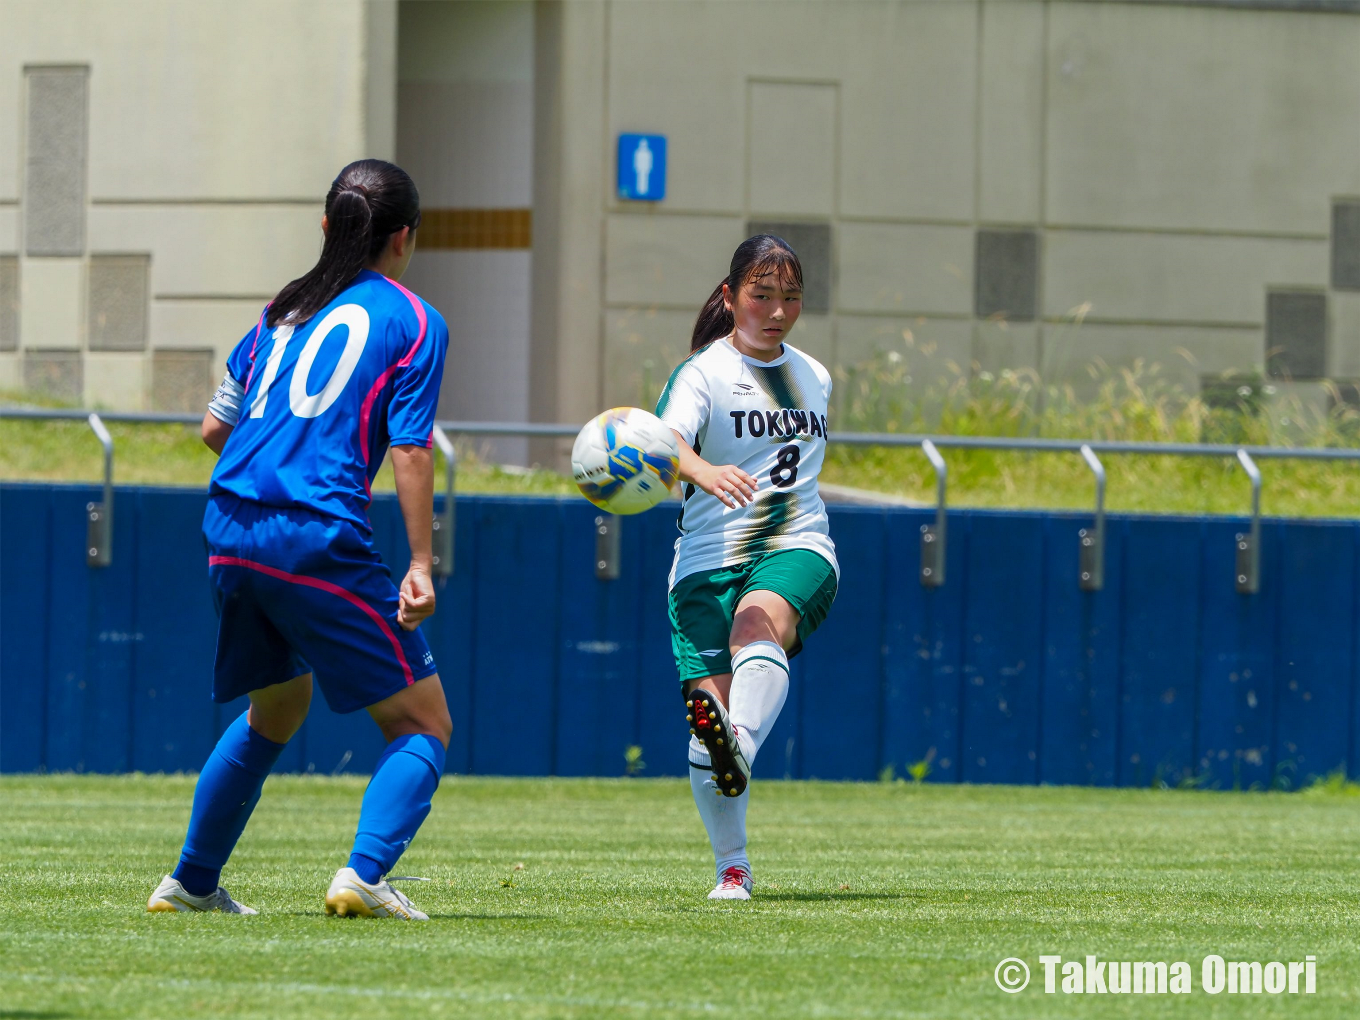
{"x": 714, "y": 321}
{"x": 754, "y": 258}
{"x": 368, "y": 202}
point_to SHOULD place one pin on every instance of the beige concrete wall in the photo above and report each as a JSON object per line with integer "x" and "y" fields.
{"x": 214, "y": 131}
{"x": 853, "y": 119}
{"x": 1175, "y": 161}
{"x": 1194, "y": 118}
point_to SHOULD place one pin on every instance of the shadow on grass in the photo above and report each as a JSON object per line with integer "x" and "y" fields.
{"x": 33, "y": 1014}
{"x": 827, "y": 897}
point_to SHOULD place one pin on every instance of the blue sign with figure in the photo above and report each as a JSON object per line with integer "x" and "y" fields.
{"x": 642, "y": 167}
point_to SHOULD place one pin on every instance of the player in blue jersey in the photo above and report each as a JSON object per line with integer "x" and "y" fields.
{"x": 344, "y": 364}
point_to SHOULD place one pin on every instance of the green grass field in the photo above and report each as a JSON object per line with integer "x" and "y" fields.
{"x": 873, "y": 900}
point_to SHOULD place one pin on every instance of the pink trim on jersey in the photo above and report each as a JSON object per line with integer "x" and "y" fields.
{"x": 255, "y": 345}
{"x": 367, "y": 408}
{"x": 326, "y": 586}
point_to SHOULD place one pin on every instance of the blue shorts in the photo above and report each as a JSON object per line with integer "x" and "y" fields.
{"x": 300, "y": 592}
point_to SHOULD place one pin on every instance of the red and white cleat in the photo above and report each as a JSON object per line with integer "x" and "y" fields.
{"x": 735, "y": 884}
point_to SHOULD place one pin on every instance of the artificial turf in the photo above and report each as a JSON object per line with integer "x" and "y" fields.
{"x": 585, "y": 898}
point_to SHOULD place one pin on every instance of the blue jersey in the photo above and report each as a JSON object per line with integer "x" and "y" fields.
{"x": 323, "y": 400}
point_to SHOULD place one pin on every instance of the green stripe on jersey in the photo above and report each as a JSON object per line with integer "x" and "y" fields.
{"x": 779, "y": 383}
{"x": 665, "y": 397}
{"x": 767, "y": 518}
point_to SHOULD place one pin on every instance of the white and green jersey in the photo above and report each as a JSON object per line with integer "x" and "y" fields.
{"x": 769, "y": 419}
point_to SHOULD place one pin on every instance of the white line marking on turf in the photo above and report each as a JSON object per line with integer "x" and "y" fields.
{"x": 106, "y": 991}
{"x": 442, "y": 993}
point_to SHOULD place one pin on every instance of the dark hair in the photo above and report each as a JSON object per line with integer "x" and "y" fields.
{"x": 755, "y": 257}
{"x": 368, "y": 202}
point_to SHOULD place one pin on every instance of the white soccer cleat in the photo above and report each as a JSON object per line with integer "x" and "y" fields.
{"x": 170, "y": 895}
{"x": 735, "y": 884}
{"x": 350, "y": 896}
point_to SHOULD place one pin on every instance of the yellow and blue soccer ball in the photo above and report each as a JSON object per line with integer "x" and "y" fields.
{"x": 625, "y": 460}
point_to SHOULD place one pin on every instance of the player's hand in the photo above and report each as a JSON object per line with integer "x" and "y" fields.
{"x": 415, "y": 598}
{"x": 729, "y": 483}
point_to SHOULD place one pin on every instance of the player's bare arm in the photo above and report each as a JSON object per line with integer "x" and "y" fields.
{"x": 414, "y": 470}
{"x": 727, "y": 482}
{"x": 215, "y": 432}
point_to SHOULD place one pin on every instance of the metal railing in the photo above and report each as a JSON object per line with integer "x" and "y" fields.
{"x": 1091, "y": 573}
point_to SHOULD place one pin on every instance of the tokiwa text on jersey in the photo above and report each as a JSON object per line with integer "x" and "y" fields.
{"x": 769, "y": 419}
{"x": 785, "y": 422}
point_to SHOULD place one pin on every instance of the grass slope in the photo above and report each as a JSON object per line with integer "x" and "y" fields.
{"x": 883, "y": 900}
{"x": 67, "y": 451}
{"x": 174, "y": 455}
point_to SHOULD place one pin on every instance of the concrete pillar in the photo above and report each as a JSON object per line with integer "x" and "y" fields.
{"x": 570, "y": 152}
{"x": 380, "y": 71}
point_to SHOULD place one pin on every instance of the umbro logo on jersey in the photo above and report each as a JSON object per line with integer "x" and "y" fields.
{"x": 709, "y": 653}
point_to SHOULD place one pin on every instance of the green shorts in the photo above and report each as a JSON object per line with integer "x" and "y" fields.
{"x": 702, "y": 605}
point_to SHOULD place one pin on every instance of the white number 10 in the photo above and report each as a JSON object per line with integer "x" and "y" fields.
{"x": 304, "y": 404}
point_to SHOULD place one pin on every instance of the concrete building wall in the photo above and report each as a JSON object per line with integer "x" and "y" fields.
{"x": 1167, "y": 165}
{"x": 210, "y": 134}
{"x": 974, "y": 184}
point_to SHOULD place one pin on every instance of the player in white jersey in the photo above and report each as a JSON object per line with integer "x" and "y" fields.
{"x": 755, "y": 570}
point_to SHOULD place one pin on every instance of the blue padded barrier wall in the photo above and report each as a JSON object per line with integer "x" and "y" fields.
{"x": 1007, "y": 674}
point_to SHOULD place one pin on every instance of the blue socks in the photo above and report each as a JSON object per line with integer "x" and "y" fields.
{"x": 227, "y": 792}
{"x": 367, "y": 868}
{"x": 395, "y": 803}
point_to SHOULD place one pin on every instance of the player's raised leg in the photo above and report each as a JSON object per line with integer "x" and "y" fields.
{"x": 734, "y": 723}
{"x": 416, "y": 723}
{"x": 764, "y": 626}
{"x": 227, "y": 791}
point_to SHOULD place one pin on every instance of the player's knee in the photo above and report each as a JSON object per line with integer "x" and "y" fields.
{"x": 415, "y": 716}
{"x": 278, "y": 712}
{"x": 441, "y": 727}
{"x": 752, "y": 624}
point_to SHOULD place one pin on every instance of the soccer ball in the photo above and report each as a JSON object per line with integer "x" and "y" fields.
{"x": 625, "y": 461}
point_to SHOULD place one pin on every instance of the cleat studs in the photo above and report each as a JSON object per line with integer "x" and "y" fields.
{"x": 693, "y": 732}
{"x": 706, "y": 705}
{"x": 720, "y": 740}
{"x": 689, "y": 718}
{"x": 717, "y": 729}
{"x": 728, "y": 777}
{"x": 733, "y": 793}
{"x": 689, "y": 703}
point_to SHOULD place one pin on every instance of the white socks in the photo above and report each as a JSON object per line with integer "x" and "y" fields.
{"x": 760, "y": 683}
{"x": 724, "y": 817}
